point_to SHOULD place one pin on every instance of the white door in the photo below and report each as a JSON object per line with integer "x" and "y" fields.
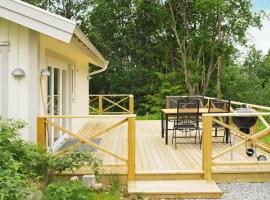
{"x": 4, "y": 48}
{"x": 57, "y": 101}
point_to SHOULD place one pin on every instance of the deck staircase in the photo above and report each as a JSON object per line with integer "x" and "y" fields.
{"x": 174, "y": 189}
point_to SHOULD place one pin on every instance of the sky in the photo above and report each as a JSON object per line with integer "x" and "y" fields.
{"x": 261, "y": 38}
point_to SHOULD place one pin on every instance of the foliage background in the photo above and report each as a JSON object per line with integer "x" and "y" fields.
{"x": 139, "y": 39}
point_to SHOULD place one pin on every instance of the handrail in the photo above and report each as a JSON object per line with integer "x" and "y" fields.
{"x": 43, "y": 122}
{"x": 111, "y": 95}
{"x": 243, "y": 104}
{"x": 232, "y": 102}
{"x": 88, "y": 116}
{"x": 251, "y": 114}
{"x": 209, "y": 159}
{"x": 110, "y": 104}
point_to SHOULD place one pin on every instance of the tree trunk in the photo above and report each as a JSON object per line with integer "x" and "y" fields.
{"x": 219, "y": 61}
{"x": 219, "y": 66}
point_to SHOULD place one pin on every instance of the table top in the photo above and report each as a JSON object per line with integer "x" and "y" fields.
{"x": 191, "y": 110}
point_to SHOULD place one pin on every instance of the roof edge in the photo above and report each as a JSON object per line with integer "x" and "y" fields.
{"x": 82, "y": 37}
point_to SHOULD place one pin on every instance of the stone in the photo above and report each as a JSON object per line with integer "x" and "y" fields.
{"x": 89, "y": 180}
{"x": 74, "y": 178}
{"x": 98, "y": 186}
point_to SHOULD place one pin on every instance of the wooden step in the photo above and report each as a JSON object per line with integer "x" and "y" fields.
{"x": 175, "y": 189}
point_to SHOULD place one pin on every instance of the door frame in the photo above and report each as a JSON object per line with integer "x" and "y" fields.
{"x": 63, "y": 75}
{"x": 4, "y": 51}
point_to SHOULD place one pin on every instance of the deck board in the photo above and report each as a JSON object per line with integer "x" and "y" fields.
{"x": 179, "y": 188}
{"x": 153, "y": 155}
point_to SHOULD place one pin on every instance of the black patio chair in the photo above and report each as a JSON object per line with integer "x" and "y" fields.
{"x": 199, "y": 98}
{"x": 219, "y": 106}
{"x": 186, "y": 122}
{"x": 171, "y": 101}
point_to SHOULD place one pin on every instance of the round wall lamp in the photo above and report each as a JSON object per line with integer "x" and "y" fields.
{"x": 45, "y": 72}
{"x": 18, "y": 73}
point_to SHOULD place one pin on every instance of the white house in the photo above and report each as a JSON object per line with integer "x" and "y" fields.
{"x": 44, "y": 65}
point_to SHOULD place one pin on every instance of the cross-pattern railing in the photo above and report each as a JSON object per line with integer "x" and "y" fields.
{"x": 250, "y": 141}
{"x": 44, "y": 122}
{"x": 210, "y": 160}
{"x": 111, "y": 104}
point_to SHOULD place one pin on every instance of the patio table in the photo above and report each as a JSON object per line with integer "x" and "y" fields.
{"x": 172, "y": 112}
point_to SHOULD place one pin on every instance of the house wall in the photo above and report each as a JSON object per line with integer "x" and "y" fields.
{"x": 32, "y": 51}
{"x": 54, "y": 51}
{"x": 23, "y": 102}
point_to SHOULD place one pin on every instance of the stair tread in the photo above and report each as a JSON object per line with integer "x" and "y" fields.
{"x": 173, "y": 187}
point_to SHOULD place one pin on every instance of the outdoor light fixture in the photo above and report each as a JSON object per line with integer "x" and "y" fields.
{"x": 45, "y": 72}
{"x": 18, "y": 73}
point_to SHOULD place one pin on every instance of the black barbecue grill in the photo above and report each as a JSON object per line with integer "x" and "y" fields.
{"x": 244, "y": 123}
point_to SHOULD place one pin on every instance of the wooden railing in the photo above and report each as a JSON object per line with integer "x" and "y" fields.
{"x": 111, "y": 104}
{"x": 209, "y": 158}
{"x": 43, "y": 122}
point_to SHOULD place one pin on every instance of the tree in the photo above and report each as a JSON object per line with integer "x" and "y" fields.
{"x": 203, "y": 30}
{"x": 132, "y": 36}
{"x": 71, "y": 9}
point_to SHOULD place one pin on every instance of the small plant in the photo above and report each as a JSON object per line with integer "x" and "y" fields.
{"x": 68, "y": 191}
{"x": 23, "y": 165}
{"x": 78, "y": 191}
{"x": 14, "y": 183}
{"x": 71, "y": 161}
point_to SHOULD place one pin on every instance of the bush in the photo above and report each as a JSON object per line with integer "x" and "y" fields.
{"x": 22, "y": 164}
{"x": 78, "y": 191}
{"x": 14, "y": 182}
{"x": 68, "y": 191}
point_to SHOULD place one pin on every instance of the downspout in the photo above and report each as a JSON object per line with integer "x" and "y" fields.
{"x": 99, "y": 71}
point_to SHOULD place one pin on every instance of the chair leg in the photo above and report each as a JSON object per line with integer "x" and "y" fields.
{"x": 201, "y": 140}
{"x": 216, "y": 132}
{"x": 175, "y": 140}
{"x": 173, "y": 135}
{"x": 196, "y": 136}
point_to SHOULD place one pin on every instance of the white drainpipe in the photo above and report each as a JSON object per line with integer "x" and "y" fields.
{"x": 99, "y": 71}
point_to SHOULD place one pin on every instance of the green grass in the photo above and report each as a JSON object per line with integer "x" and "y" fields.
{"x": 149, "y": 117}
{"x": 265, "y": 139}
{"x": 78, "y": 191}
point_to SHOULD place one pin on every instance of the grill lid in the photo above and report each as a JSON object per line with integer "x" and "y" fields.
{"x": 244, "y": 121}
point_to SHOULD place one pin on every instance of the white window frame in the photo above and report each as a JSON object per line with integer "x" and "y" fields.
{"x": 73, "y": 82}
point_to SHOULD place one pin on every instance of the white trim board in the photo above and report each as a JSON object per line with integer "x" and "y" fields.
{"x": 4, "y": 79}
{"x": 47, "y": 23}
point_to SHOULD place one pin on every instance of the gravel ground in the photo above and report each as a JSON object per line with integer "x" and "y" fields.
{"x": 245, "y": 191}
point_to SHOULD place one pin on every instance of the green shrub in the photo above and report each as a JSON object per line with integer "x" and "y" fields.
{"x": 77, "y": 191}
{"x": 68, "y": 191}
{"x": 22, "y": 164}
{"x": 14, "y": 183}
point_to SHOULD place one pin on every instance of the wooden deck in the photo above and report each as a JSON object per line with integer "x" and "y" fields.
{"x": 175, "y": 189}
{"x": 155, "y": 159}
{"x": 141, "y": 158}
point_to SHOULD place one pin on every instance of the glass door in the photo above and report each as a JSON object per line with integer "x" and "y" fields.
{"x": 57, "y": 101}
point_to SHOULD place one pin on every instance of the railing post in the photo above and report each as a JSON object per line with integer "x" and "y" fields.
{"x": 131, "y": 148}
{"x": 41, "y": 131}
{"x": 131, "y": 104}
{"x": 100, "y": 104}
{"x": 207, "y": 147}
